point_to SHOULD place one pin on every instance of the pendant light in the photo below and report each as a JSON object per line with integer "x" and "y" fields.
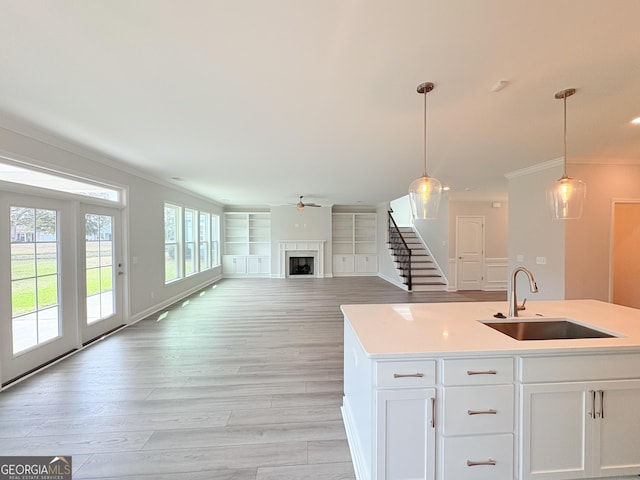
{"x": 566, "y": 195}
{"x": 424, "y": 192}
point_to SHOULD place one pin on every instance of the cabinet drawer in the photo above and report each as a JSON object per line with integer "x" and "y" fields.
{"x": 573, "y": 368}
{"x": 477, "y": 371}
{"x": 478, "y": 410}
{"x": 406, "y": 374}
{"x": 487, "y": 457}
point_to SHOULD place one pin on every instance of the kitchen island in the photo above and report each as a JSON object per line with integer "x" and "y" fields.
{"x": 432, "y": 392}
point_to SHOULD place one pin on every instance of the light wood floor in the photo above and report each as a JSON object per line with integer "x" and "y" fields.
{"x": 241, "y": 381}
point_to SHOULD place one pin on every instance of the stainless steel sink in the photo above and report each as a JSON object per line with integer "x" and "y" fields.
{"x": 547, "y": 329}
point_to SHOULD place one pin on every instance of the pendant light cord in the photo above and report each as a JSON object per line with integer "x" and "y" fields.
{"x": 425, "y": 135}
{"x": 565, "y": 136}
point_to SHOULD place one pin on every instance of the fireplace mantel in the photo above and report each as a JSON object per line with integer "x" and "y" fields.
{"x": 307, "y": 248}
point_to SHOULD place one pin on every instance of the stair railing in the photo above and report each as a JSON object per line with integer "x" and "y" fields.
{"x": 399, "y": 247}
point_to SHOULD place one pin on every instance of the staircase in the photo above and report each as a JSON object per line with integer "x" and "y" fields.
{"x": 425, "y": 276}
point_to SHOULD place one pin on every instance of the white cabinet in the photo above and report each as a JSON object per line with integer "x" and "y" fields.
{"x": 388, "y": 411}
{"x": 343, "y": 264}
{"x": 478, "y": 419}
{"x": 247, "y": 241}
{"x": 405, "y": 415}
{"x": 580, "y": 429}
{"x": 405, "y": 434}
{"x": 366, "y": 263}
{"x": 258, "y": 265}
{"x": 354, "y": 243}
{"x": 234, "y": 264}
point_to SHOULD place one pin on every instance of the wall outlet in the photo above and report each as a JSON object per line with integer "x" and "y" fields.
{"x": 541, "y": 260}
{"x": 520, "y": 258}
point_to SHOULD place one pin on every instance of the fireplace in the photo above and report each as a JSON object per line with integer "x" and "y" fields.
{"x": 301, "y": 258}
{"x": 301, "y": 266}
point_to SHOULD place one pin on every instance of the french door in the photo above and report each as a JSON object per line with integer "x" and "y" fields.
{"x": 101, "y": 271}
{"x": 61, "y": 279}
{"x": 37, "y": 324}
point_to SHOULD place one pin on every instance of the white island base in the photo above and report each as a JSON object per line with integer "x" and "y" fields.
{"x": 432, "y": 393}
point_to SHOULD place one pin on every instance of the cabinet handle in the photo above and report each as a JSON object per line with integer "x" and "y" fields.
{"x": 471, "y": 463}
{"x": 592, "y": 413}
{"x": 482, "y": 412}
{"x": 601, "y": 403}
{"x": 433, "y": 412}
{"x": 407, "y": 375}
{"x": 482, "y": 372}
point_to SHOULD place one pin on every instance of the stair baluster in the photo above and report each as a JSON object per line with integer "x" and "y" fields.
{"x": 400, "y": 248}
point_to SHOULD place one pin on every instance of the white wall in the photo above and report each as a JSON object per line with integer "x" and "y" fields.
{"x": 401, "y": 208}
{"x": 144, "y": 216}
{"x": 386, "y": 268}
{"x": 435, "y": 233}
{"x": 533, "y": 233}
{"x": 289, "y": 223}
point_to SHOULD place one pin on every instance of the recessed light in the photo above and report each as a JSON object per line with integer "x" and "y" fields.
{"x": 636, "y": 121}
{"x": 446, "y": 188}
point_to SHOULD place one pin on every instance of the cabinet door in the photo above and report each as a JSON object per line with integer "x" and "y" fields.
{"x": 258, "y": 265}
{"x": 366, "y": 263}
{"x": 343, "y": 264}
{"x": 405, "y": 434}
{"x": 234, "y": 264}
{"x": 556, "y": 429}
{"x": 616, "y": 451}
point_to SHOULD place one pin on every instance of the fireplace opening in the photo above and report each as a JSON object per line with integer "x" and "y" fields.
{"x": 301, "y": 266}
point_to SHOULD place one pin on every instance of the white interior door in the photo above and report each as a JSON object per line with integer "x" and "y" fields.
{"x": 100, "y": 271}
{"x": 470, "y": 252}
{"x": 37, "y": 274}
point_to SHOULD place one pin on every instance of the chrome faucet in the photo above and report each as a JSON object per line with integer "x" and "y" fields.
{"x": 514, "y": 308}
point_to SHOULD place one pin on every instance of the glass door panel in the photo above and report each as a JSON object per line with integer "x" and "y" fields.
{"x": 99, "y": 267}
{"x": 103, "y": 271}
{"x": 35, "y": 297}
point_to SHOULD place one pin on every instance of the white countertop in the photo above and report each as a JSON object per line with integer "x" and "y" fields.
{"x": 441, "y": 328}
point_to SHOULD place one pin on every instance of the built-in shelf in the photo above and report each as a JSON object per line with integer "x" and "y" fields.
{"x": 247, "y": 243}
{"x": 354, "y": 243}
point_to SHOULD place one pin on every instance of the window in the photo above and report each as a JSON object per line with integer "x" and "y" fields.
{"x": 190, "y": 239}
{"x": 172, "y": 242}
{"x": 204, "y": 232}
{"x": 215, "y": 240}
{"x": 55, "y": 181}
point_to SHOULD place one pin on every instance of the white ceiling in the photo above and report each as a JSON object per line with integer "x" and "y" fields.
{"x": 260, "y": 101}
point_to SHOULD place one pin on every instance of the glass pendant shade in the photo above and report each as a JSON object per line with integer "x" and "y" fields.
{"x": 565, "y": 198}
{"x": 424, "y": 196}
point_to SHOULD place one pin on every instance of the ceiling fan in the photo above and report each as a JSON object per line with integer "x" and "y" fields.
{"x": 300, "y": 205}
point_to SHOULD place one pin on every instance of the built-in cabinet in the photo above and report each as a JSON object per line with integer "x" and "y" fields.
{"x": 390, "y": 409}
{"x": 354, "y": 244}
{"x": 580, "y": 429}
{"x": 247, "y": 244}
{"x": 523, "y": 417}
{"x": 478, "y": 419}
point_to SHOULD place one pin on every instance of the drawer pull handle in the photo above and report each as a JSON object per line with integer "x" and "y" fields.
{"x": 407, "y": 375}
{"x": 482, "y": 412}
{"x": 482, "y": 372}
{"x": 471, "y": 463}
